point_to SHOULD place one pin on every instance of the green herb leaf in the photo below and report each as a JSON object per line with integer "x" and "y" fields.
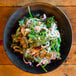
{"x": 18, "y": 30}
{"x": 12, "y": 45}
{"x": 21, "y": 22}
{"x": 49, "y": 21}
{"x": 49, "y": 25}
{"x": 43, "y": 30}
{"x": 43, "y": 68}
{"x": 52, "y": 19}
{"x": 30, "y": 12}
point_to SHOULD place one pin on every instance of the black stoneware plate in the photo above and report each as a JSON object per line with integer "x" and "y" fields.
{"x": 64, "y": 27}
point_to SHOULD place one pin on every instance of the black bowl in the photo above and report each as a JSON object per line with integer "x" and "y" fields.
{"x": 64, "y": 27}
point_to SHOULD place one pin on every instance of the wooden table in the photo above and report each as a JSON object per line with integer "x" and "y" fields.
{"x": 7, "y": 8}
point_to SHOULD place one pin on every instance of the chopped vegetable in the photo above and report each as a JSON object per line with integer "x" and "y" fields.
{"x": 43, "y": 68}
{"x": 21, "y": 22}
{"x": 30, "y": 12}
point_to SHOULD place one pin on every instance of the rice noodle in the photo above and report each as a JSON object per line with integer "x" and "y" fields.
{"x": 46, "y": 45}
{"x": 43, "y": 61}
{"x": 44, "y": 16}
{"x": 30, "y": 63}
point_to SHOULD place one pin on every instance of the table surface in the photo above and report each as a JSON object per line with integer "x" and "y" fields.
{"x": 8, "y": 7}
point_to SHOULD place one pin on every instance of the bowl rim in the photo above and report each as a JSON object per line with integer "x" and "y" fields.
{"x": 31, "y": 5}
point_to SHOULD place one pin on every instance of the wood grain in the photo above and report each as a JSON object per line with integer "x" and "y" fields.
{"x": 72, "y": 56}
{"x": 11, "y": 70}
{"x": 6, "y": 12}
{"x": 14, "y": 2}
{"x": 23, "y": 2}
{"x": 70, "y": 60}
{"x": 6, "y": 66}
{"x": 3, "y": 57}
